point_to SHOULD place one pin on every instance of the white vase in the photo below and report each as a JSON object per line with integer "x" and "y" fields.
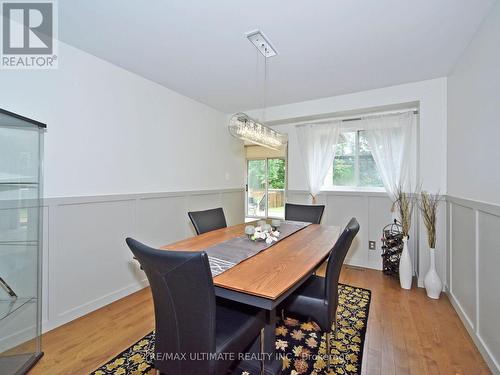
{"x": 405, "y": 267}
{"x": 432, "y": 282}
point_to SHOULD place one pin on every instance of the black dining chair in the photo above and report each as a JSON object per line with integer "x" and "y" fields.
{"x": 208, "y": 220}
{"x": 317, "y": 298}
{"x": 189, "y": 321}
{"x": 304, "y": 212}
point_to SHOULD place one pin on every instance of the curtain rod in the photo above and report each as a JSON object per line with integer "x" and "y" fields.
{"x": 374, "y": 114}
{"x": 368, "y": 115}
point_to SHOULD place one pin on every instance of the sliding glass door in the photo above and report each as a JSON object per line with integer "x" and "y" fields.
{"x": 266, "y": 181}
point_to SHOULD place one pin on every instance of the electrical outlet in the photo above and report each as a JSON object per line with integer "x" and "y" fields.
{"x": 371, "y": 245}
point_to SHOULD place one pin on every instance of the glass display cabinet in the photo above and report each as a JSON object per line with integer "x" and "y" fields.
{"x": 21, "y": 213}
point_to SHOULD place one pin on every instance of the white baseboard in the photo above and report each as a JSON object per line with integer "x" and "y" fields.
{"x": 93, "y": 305}
{"x": 488, "y": 357}
{"x": 363, "y": 264}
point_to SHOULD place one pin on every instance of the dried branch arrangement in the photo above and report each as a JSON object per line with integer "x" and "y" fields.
{"x": 403, "y": 203}
{"x": 428, "y": 207}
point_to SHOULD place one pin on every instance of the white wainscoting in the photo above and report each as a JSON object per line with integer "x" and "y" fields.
{"x": 86, "y": 263}
{"x": 371, "y": 209}
{"x": 474, "y": 261}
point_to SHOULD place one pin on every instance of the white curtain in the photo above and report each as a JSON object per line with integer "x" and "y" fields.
{"x": 317, "y": 146}
{"x": 389, "y": 137}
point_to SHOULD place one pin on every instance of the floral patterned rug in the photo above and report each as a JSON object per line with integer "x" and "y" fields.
{"x": 301, "y": 343}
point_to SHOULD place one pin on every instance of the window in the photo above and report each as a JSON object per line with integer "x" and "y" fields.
{"x": 353, "y": 165}
{"x": 266, "y": 187}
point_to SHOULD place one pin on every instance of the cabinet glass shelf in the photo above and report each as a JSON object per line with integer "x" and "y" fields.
{"x": 9, "y": 307}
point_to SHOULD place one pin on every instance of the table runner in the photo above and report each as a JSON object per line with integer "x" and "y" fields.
{"x": 227, "y": 254}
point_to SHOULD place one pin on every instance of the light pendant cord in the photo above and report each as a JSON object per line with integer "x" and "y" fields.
{"x": 257, "y": 81}
{"x": 264, "y": 97}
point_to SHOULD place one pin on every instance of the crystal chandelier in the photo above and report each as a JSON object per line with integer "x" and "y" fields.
{"x": 247, "y": 129}
{"x": 243, "y": 126}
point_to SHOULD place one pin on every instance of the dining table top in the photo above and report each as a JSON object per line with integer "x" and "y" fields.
{"x": 273, "y": 271}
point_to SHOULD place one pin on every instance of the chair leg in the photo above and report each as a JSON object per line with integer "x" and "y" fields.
{"x": 283, "y": 314}
{"x": 262, "y": 356}
{"x": 335, "y": 336}
{"x": 328, "y": 352}
{"x": 328, "y": 344}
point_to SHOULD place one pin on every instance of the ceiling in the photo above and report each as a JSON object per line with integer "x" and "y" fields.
{"x": 325, "y": 48}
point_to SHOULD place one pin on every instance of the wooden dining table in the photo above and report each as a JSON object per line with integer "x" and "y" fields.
{"x": 266, "y": 279}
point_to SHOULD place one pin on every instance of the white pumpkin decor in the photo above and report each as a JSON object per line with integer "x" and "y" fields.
{"x": 262, "y": 232}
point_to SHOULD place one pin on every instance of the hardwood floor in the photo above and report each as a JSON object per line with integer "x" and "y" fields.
{"x": 407, "y": 333}
{"x": 80, "y": 346}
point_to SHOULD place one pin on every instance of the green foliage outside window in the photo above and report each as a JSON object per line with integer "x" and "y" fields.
{"x": 343, "y": 171}
{"x": 354, "y": 164}
{"x": 276, "y": 170}
{"x": 257, "y": 174}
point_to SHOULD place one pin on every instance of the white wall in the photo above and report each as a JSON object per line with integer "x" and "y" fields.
{"x": 431, "y": 97}
{"x": 474, "y": 188}
{"x": 474, "y": 124}
{"x": 123, "y": 157}
{"x": 113, "y": 132}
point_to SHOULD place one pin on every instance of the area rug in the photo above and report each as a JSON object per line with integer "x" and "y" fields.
{"x": 301, "y": 343}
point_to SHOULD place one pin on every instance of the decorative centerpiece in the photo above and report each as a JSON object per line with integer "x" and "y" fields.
{"x": 429, "y": 206}
{"x": 262, "y": 232}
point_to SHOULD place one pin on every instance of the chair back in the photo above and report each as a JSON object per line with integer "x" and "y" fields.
{"x": 303, "y": 212}
{"x": 208, "y": 220}
{"x": 334, "y": 267}
{"x": 184, "y": 303}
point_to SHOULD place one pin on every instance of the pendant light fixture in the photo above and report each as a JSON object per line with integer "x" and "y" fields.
{"x": 247, "y": 129}
{"x": 243, "y": 126}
